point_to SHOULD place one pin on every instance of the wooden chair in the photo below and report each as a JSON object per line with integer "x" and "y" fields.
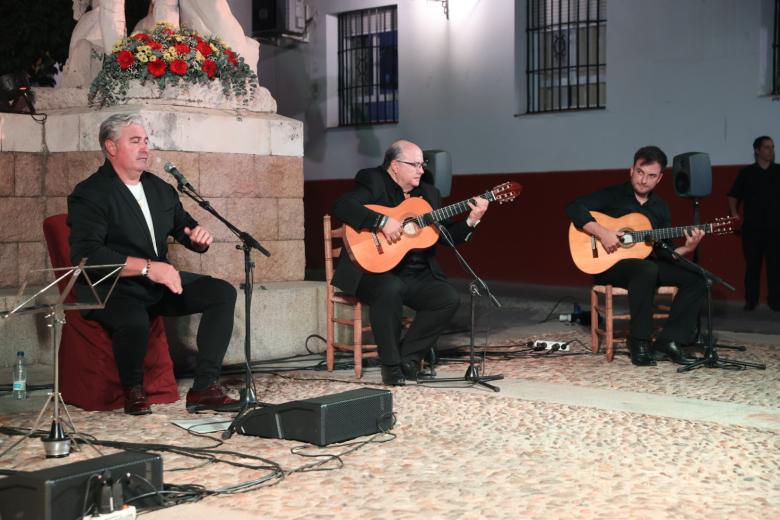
{"x": 607, "y": 309}
{"x": 335, "y": 298}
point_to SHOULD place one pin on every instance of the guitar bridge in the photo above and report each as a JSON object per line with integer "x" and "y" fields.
{"x": 377, "y": 243}
{"x": 593, "y": 249}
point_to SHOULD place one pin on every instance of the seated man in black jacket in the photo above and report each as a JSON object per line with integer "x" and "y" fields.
{"x": 642, "y": 277}
{"x": 122, "y": 214}
{"x": 418, "y": 280}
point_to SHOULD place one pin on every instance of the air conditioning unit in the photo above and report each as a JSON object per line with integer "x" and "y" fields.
{"x": 279, "y": 18}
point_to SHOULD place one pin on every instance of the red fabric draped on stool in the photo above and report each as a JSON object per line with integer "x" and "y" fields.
{"x": 88, "y": 375}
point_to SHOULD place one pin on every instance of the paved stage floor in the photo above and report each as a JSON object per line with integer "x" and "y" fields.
{"x": 568, "y": 435}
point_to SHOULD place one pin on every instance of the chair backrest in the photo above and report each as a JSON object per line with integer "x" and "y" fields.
{"x": 56, "y": 232}
{"x": 331, "y": 251}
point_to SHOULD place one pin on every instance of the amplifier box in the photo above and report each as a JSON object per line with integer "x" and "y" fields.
{"x": 323, "y": 420}
{"x": 58, "y": 493}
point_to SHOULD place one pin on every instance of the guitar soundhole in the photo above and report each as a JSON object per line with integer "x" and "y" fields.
{"x": 410, "y": 228}
{"x": 627, "y": 240}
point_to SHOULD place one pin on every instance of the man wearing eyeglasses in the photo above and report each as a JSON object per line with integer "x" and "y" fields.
{"x": 642, "y": 276}
{"x": 418, "y": 281}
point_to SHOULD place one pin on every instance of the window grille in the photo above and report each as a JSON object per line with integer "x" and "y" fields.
{"x": 368, "y": 66}
{"x": 566, "y": 55}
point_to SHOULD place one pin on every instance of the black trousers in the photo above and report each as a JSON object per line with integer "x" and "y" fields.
{"x": 641, "y": 278}
{"x": 435, "y": 302}
{"x": 128, "y": 320}
{"x": 757, "y": 246}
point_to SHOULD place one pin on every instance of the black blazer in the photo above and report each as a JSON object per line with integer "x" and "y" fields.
{"x": 107, "y": 226}
{"x": 375, "y": 186}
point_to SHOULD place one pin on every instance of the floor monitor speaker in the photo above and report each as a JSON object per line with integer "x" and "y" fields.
{"x": 323, "y": 420}
{"x": 59, "y": 492}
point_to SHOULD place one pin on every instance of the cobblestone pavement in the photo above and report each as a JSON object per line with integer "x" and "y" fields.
{"x": 457, "y": 453}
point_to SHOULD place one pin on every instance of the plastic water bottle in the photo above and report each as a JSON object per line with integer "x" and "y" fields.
{"x": 20, "y": 377}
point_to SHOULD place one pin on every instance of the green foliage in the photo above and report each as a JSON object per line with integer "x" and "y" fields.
{"x": 34, "y": 35}
{"x": 168, "y": 56}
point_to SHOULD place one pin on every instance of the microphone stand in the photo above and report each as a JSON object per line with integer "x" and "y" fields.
{"x": 248, "y": 242}
{"x": 701, "y": 341}
{"x": 710, "y": 358}
{"x": 472, "y": 372}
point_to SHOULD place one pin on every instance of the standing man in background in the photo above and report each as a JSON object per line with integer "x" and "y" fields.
{"x": 756, "y": 189}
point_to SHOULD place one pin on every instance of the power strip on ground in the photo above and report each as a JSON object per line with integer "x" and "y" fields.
{"x": 126, "y": 513}
{"x": 560, "y": 346}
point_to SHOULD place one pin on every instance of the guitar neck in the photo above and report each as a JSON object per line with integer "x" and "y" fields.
{"x": 446, "y": 212}
{"x": 666, "y": 233}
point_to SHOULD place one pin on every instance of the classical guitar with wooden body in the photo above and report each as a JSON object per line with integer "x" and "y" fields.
{"x": 591, "y": 257}
{"x": 373, "y": 253}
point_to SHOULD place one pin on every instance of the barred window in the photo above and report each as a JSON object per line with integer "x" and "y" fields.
{"x": 776, "y": 53}
{"x": 566, "y": 55}
{"x": 368, "y": 66}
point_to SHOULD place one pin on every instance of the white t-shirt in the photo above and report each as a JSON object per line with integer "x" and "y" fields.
{"x": 140, "y": 196}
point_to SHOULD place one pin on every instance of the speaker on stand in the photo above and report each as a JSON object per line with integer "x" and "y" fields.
{"x": 692, "y": 175}
{"x": 438, "y": 170}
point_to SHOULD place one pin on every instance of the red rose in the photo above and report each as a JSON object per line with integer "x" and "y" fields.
{"x": 142, "y": 37}
{"x": 182, "y": 48}
{"x": 209, "y": 67}
{"x": 231, "y": 57}
{"x": 204, "y": 48}
{"x": 179, "y": 67}
{"x": 156, "y": 68}
{"x": 125, "y": 59}
{"x": 155, "y": 45}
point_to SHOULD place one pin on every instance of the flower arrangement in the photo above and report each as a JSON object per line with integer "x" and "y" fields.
{"x": 169, "y": 56}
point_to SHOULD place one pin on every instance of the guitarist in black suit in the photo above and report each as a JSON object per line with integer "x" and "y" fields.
{"x": 642, "y": 276}
{"x": 418, "y": 281}
{"x": 123, "y": 214}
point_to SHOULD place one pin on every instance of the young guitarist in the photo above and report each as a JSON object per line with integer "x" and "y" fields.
{"x": 641, "y": 277}
{"x": 417, "y": 281}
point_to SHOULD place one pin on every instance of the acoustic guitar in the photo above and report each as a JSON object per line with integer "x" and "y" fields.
{"x": 638, "y": 234}
{"x": 373, "y": 253}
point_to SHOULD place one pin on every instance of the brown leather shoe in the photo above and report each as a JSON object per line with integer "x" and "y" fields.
{"x": 213, "y": 397}
{"x": 135, "y": 400}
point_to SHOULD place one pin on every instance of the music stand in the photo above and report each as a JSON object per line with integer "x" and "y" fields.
{"x": 58, "y": 442}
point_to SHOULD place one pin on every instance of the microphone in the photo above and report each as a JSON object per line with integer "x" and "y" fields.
{"x": 180, "y": 179}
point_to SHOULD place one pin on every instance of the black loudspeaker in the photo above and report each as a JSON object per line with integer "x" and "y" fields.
{"x": 439, "y": 170}
{"x": 323, "y": 420}
{"x": 692, "y": 174}
{"x": 58, "y": 493}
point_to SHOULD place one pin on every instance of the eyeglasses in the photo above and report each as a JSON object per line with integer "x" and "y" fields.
{"x": 416, "y": 165}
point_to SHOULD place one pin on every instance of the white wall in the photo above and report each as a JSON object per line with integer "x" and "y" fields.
{"x": 683, "y": 74}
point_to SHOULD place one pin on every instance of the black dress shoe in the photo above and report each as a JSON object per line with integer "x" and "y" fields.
{"x": 392, "y": 375}
{"x": 410, "y": 368}
{"x": 641, "y": 352}
{"x": 670, "y": 350}
{"x": 135, "y": 400}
